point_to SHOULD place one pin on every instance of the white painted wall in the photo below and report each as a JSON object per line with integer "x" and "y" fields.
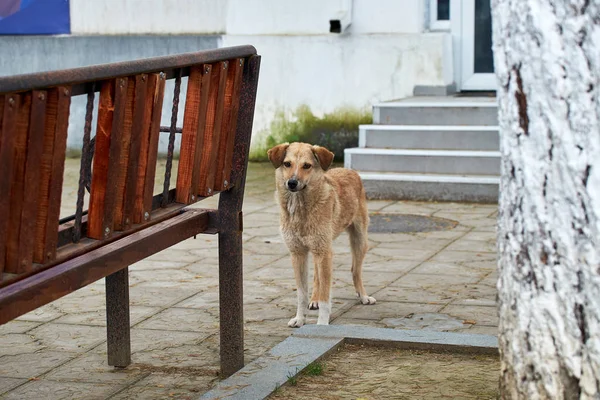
{"x": 157, "y": 17}
{"x": 243, "y": 17}
{"x": 332, "y": 71}
{"x": 311, "y": 17}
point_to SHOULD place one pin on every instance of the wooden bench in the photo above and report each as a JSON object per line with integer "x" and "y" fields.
{"x": 43, "y": 257}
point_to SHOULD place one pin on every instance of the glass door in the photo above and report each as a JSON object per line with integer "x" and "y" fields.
{"x": 477, "y": 58}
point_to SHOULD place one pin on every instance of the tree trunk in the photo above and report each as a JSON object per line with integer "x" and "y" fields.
{"x": 547, "y": 60}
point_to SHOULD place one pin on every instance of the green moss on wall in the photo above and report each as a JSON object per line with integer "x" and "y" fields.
{"x": 336, "y": 131}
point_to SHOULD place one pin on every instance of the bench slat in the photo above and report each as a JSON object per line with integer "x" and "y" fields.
{"x": 135, "y": 155}
{"x": 194, "y": 119}
{"x": 142, "y": 116}
{"x": 58, "y": 133}
{"x": 111, "y": 113}
{"x": 16, "y": 193}
{"x": 119, "y": 221}
{"x": 9, "y": 105}
{"x": 228, "y": 126}
{"x": 31, "y": 184}
{"x": 157, "y": 97}
{"x": 212, "y": 132}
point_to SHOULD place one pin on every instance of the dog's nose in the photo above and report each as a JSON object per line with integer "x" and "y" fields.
{"x": 292, "y": 184}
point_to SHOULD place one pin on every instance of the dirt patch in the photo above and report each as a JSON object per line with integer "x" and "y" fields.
{"x": 366, "y": 372}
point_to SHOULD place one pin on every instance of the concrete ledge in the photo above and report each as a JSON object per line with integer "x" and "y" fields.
{"x": 261, "y": 377}
{"x": 422, "y": 90}
{"x": 310, "y": 343}
{"x": 405, "y": 339}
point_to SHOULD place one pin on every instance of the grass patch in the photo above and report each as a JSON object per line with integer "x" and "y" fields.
{"x": 314, "y": 369}
{"x": 336, "y": 131}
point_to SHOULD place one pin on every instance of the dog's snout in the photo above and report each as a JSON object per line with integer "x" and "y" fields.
{"x": 292, "y": 183}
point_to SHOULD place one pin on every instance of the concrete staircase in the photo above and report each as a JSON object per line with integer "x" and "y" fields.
{"x": 430, "y": 148}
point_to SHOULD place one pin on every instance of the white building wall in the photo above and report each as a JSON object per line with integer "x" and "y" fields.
{"x": 328, "y": 72}
{"x": 156, "y": 17}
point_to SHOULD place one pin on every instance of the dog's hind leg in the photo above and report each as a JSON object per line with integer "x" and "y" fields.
{"x": 359, "y": 244}
{"x": 299, "y": 262}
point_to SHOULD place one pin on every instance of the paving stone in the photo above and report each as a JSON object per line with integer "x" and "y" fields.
{"x": 260, "y": 292}
{"x": 166, "y": 385}
{"x": 415, "y": 295}
{"x": 426, "y": 321}
{"x": 403, "y": 207}
{"x": 159, "y": 295}
{"x": 19, "y": 343}
{"x": 418, "y": 243}
{"x": 49, "y": 390}
{"x": 7, "y": 384}
{"x": 73, "y": 303}
{"x": 43, "y": 314}
{"x": 467, "y": 245}
{"x": 482, "y": 330}
{"x": 93, "y": 368}
{"x": 208, "y": 299}
{"x": 17, "y": 326}
{"x": 377, "y": 205}
{"x": 63, "y": 337}
{"x": 361, "y": 322}
{"x": 170, "y": 254}
{"x": 383, "y": 310}
{"x": 425, "y": 281}
{"x": 98, "y": 317}
{"x": 372, "y": 278}
{"x": 181, "y": 319}
{"x": 266, "y": 311}
{"x": 259, "y": 247}
{"x": 32, "y": 365}
{"x": 439, "y": 268}
{"x": 464, "y": 256}
{"x": 481, "y": 315}
{"x": 412, "y": 254}
{"x": 150, "y": 340}
{"x": 150, "y": 265}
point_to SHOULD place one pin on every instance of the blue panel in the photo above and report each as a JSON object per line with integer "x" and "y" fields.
{"x": 38, "y": 17}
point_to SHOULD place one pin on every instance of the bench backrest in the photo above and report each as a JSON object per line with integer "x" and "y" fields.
{"x": 119, "y": 164}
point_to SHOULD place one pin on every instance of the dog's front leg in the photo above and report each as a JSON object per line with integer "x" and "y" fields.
{"x": 323, "y": 263}
{"x": 299, "y": 262}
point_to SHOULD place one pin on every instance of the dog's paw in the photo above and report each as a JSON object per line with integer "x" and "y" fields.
{"x": 296, "y": 322}
{"x": 323, "y": 321}
{"x": 367, "y": 300}
{"x": 313, "y": 305}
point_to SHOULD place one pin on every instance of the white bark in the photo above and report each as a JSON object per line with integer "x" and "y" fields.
{"x": 547, "y": 60}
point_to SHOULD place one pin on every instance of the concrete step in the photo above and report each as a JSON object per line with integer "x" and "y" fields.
{"x": 437, "y": 111}
{"x": 423, "y": 161}
{"x": 429, "y": 137}
{"x": 429, "y": 187}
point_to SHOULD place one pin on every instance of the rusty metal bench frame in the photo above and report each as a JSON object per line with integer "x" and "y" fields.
{"x": 40, "y": 265}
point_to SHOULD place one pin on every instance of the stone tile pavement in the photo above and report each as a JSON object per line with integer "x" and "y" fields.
{"x": 442, "y": 281}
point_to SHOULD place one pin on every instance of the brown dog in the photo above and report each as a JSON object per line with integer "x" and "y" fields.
{"x": 316, "y": 206}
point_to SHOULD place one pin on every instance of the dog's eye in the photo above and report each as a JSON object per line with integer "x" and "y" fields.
{"x": 306, "y": 166}
{"x": 287, "y": 164}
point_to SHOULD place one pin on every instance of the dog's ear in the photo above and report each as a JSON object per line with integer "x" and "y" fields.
{"x": 277, "y": 154}
{"x": 324, "y": 156}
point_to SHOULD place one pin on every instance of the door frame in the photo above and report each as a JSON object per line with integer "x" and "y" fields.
{"x": 462, "y": 27}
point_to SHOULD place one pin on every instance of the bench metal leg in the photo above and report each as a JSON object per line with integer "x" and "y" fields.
{"x": 231, "y": 300}
{"x": 231, "y": 296}
{"x": 117, "y": 319}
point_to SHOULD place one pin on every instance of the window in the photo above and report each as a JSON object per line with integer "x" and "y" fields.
{"x": 440, "y": 15}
